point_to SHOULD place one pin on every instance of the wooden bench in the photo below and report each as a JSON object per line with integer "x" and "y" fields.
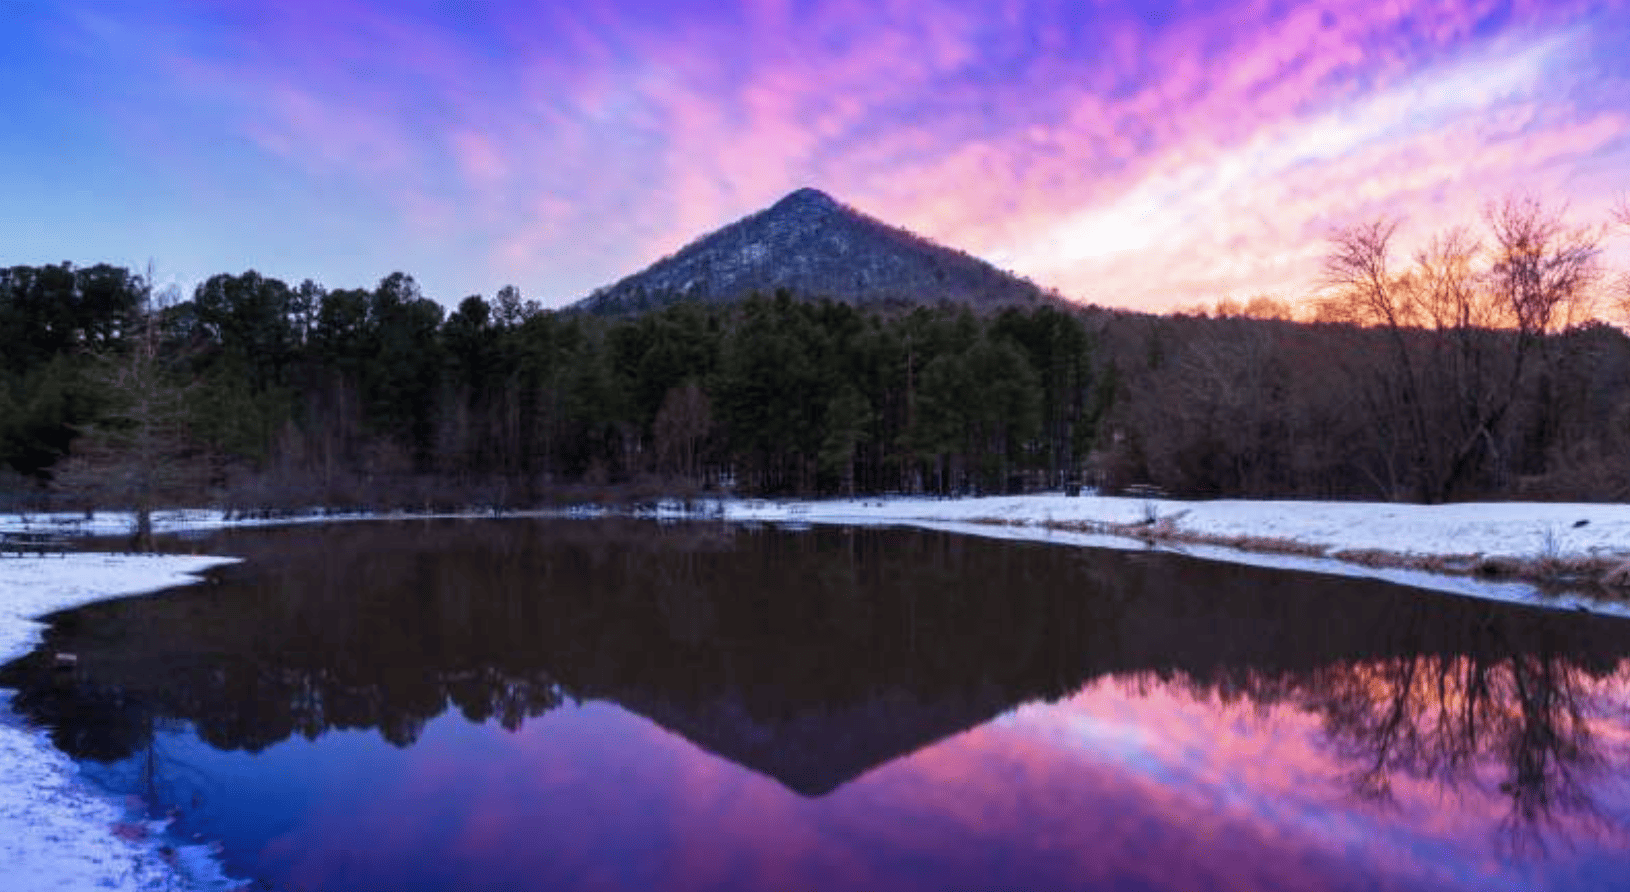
{"x": 34, "y": 542}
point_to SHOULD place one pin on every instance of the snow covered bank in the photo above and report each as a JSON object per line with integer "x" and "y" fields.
{"x": 1511, "y": 530}
{"x": 55, "y": 832}
{"x": 1433, "y": 543}
{"x": 1507, "y": 529}
{"x": 121, "y": 523}
{"x": 1385, "y": 540}
{"x": 182, "y": 521}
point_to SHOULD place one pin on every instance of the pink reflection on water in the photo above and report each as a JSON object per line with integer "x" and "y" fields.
{"x": 1122, "y": 785}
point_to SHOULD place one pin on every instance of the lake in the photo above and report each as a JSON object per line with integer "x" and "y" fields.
{"x": 527, "y": 704}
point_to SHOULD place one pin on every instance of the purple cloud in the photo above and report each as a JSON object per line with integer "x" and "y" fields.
{"x": 1128, "y": 154}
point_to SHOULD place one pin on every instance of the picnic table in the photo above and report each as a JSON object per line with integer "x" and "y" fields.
{"x": 40, "y": 542}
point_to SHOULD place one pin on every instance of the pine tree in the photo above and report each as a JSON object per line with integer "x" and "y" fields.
{"x": 137, "y": 456}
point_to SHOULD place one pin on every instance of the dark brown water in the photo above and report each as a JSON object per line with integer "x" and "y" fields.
{"x": 621, "y": 705}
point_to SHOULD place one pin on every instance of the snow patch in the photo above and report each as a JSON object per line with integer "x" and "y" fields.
{"x": 1322, "y": 531}
{"x": 55, "y": 831}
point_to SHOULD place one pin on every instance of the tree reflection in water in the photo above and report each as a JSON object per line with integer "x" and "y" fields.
{"x": 815, "y": 657}
{"x": 1518, "y": 708}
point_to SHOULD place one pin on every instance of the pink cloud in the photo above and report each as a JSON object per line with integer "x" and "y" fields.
{"x": 479, "y": 157}
{"x": 579, "y": 143}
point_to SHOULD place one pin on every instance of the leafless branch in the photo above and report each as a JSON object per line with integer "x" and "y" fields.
{"x": 1360, "y": 287}
{"x": 1621, "y": 211}
{"x": 1444, "y": 289}
{"x": 1544, "y": 270}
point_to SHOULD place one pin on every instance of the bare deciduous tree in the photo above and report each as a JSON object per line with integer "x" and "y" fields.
{"x": 1359, "y": 285}
{"x": 138, "y": 456}
{"x": 1543, "y": 270}
{"x": 1443, "y": 290}
{"x": 1621, "y": 290}
{"x": 1360, "y": 288}
{"x": 681, "y": 426}
{"x": 1266, "y": 306}
{"x": 1460, "y": 336}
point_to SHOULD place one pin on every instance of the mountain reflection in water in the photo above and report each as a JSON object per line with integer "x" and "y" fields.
{"x": 816, "y": 658}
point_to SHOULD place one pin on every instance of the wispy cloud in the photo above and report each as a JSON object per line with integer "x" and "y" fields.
{"x": 1252, "y": 215}
{"x": 1130, "y": 154}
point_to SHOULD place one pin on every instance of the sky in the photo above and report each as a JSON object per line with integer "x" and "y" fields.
{"x": 1145, "y": 155}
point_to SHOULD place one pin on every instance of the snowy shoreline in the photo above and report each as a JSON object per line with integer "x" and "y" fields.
{"x": 56, "y": 832}
{"x": 1438, "y": 547}
{"x": 1474, "y": 548}
{"x": 1506, "y": 529}
{"x": 1515, "y": 530}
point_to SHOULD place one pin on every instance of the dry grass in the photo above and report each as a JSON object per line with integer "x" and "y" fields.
{"x": 1605, "y": 577}
{"x": 1618, "y": 577}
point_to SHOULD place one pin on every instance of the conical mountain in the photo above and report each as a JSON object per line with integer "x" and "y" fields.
{"x": 813, "y": 246}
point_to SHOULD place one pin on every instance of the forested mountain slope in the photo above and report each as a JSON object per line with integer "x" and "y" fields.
{"x": 809, "y": 244}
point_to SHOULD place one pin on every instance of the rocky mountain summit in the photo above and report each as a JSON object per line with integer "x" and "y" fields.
{"x": 813, "y": 246}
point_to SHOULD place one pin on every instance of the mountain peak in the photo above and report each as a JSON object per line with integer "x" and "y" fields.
{"x": 806, "y": 197}
{"x": 812, "y": 245}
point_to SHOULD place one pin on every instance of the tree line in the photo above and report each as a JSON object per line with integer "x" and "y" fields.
{"x": 260, "y": 393}
{"x": 1475, "y": 369}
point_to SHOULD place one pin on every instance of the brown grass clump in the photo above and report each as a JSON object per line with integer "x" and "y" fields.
{"x": 1607, "y": 577}
{"x": 1618, "y": 577}
{"x": 1267, "y": 545}
{"x": 1449, "y": 564}
{"x": 1498, "y": 567}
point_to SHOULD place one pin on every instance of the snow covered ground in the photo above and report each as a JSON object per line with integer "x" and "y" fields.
{"x": 1521, "y": 530}
{"x": 118, "y": 523}
{"x": 1515, "y": 530}
{"x": 1379, "y": 540}
{"x": 55, "y": 832}
{"x": 1345, "y": 537}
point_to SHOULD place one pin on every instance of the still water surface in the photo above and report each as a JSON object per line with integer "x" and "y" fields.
{"x": 621, "y": 705}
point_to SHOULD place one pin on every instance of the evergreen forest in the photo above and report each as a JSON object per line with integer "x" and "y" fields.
{"x": 1465, "y": 372}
